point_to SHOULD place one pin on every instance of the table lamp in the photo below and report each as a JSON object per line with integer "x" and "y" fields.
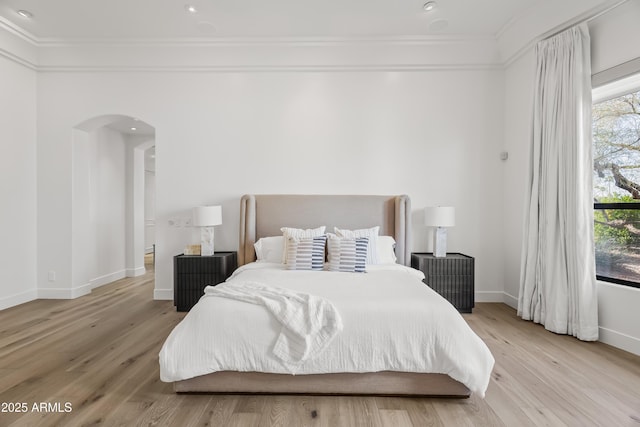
{"x": 440, "y": 217}
{"x": 206, "y": 217}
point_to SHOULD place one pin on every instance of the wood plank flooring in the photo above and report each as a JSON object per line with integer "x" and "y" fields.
{"x": 98, "y": 355}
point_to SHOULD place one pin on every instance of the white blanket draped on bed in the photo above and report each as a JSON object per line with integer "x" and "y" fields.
{"x": 309, "y": 323}
{"x": 391, "y": 322}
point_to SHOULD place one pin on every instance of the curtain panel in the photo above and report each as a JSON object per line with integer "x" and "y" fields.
{"x": 558, "y": 280}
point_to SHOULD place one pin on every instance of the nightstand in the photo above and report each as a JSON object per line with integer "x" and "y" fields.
{"x": 451, "y": 276}
{"x": 192, "y": 273}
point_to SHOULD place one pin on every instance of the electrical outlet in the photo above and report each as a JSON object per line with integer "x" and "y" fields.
{"x": 179, "y": 221}
{"x": 52, "y": 276}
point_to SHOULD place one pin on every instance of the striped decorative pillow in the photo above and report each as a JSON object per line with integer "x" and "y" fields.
{"x": 347, "y": 254}
{"x": 298, "y": 233}
{"x": 306, "y": 253}
{"x": 370, "y": 233}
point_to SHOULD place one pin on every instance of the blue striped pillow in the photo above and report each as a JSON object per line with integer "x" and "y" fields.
{"x": 348, "y": 254}
{"x": 306, "y": 253}
{"x": 371, "y": 233}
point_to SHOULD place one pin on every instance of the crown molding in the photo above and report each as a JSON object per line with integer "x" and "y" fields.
{"x": 268, "y": 69}
{"x": 18, "y": 59}
{"x": 399, "y": 54}
{"x": 17, "y": 46}
{"x": 249, "y": 54}
{"x": 25, "y": 35}
{"x": 17, "y": 31}
{"x": 522, "y": 41}
{"x": 264, "y": 41}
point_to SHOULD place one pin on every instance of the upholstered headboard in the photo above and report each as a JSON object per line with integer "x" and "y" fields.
{"x": 263, "y": 215}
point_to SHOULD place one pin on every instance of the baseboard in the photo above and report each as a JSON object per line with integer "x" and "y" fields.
{"x": 510, "y": 300}
{"x": 163, "y": 294}
{"x": 135, "y": 272}
{"x": 64, "y": 293}
{"x": 619, "y": 340}
{"x": 107, "y": 278}
{"x": 489, "y": 296}
{"x": 71, "y": 293}
{"x": 17, "y": 299}
{"x": 608, "y": 336}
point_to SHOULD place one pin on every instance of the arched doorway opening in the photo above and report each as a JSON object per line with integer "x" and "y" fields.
{"x": 113, "y": 213}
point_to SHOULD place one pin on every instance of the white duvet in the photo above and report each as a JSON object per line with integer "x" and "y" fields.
{"x": 391, "y": 322}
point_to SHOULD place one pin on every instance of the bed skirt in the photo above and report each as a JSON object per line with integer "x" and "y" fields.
{"x": 374, "y": 383}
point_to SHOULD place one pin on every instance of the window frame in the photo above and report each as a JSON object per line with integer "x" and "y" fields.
{"x": 606, "y": 91}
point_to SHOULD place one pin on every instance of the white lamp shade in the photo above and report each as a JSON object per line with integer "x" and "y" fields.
{"x": 206, "y": 216}
{"x": 440, "y": 216}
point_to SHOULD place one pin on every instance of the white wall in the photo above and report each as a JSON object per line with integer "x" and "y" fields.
{"x": 517, "y": 137}
{"x": 84, "y": 222}
{"x": 98, "y": 222}
{"x": 135, "y": 203}
{"x": 611, "y": 36}
{"x": 618, "y": 316}
{"x": 18, "y": 229}
{"x": 614, "y": 37}
{"x": 221, "y": 135}
{"x": 149, "y": 209}
{"x": 110, "y": 205}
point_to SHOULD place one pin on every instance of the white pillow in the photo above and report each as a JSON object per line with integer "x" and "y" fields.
{"x": 298, "y": 233}
{"x": 371, "y": 233}
{"x": 386, "y": 250}
{"x": 269, "y": 249}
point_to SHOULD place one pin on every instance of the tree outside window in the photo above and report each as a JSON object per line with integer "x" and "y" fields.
{"x": 616, "y": 166}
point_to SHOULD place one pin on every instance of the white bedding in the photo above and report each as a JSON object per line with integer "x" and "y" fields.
{"x": 308, "y": 323}
{"x": 391, "y": 322}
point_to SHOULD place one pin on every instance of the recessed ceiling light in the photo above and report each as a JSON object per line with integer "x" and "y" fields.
{"x": 190, "y": 8}
{"x": 25, "y": 14}
{"x": 429, "y": 6}
{"x": 134, "y": 128}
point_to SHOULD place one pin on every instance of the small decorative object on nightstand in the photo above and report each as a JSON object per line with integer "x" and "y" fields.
{"x": 192, "y": 273}
{"x": 451, "y": 276}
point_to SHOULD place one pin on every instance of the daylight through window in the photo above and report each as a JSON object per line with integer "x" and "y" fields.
{"x": 616, "y": 172}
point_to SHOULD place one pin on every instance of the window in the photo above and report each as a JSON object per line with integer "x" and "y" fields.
{"x": 616, "y": 169}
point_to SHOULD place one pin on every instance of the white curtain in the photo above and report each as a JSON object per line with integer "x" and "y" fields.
{"x": 558, "y": 283}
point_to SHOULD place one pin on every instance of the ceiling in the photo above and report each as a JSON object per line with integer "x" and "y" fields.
{"x": 131, "y": 126}
{"x": 169, "y": 19}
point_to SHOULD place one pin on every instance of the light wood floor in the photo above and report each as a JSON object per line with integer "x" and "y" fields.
{"x": 99, "y": 353}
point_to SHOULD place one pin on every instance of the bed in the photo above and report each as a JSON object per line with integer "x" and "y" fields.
{"x": 383, "y": 346}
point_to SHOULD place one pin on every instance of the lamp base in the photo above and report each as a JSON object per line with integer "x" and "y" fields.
{"x": 440, "y": 242}
{"x": 206, "y": 241}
